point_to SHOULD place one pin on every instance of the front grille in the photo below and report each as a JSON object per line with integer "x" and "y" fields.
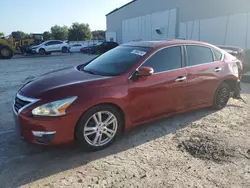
{"x": 19, "y": 103}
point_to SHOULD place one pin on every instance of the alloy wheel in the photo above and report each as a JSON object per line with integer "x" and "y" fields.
{"x": 100, "y": 128}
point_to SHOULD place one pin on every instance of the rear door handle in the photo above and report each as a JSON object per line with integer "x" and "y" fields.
{"x": 181, "y": 79}
{"x": 217, "y": 69}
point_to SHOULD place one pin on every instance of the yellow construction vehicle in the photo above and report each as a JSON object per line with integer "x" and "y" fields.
{"x": 14, "y": 44}
{"x": 7, "y": 49}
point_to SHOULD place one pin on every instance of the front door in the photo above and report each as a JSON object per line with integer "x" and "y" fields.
{"x": 164, "y": 91}
{"x": 49, "y": 46}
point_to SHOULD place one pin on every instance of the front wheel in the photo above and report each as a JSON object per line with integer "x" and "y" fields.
{"x": 221, "y": 97}
{"x": 42, "y": 51}
{"x": 6, "y": 52}
{"x": 99, "y": 127}
{"x": 64, "y": 49}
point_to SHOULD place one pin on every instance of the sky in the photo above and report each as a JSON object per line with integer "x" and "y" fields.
{"x": 33, "y": 16}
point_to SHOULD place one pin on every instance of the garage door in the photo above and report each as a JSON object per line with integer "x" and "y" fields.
{"x": 155, "y": 26}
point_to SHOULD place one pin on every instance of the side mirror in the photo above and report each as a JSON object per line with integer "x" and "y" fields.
{"x": 145, "y": 71}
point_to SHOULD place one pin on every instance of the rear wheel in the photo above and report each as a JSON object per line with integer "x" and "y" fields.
{"x": 6, "y": 52}
{"x": 99, "y": 127}
{"x": 221, "y": 97}
{"x": 64, "y": 49}
{"x": 41, "y": 51}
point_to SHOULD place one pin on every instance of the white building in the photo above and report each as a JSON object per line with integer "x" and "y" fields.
{"x": 224, "y": 22}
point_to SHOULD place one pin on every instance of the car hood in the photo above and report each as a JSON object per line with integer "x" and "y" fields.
{"x": 57, "y": 79}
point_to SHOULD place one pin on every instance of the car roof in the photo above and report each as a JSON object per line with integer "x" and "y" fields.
{"x": 53, "y": 40}
{"x": 157, "y": 44}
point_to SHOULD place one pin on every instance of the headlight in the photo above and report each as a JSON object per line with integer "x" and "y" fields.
{"x": 56, "y": 108}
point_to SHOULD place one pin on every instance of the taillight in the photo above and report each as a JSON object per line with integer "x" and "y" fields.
{"x": 240, "y": 69}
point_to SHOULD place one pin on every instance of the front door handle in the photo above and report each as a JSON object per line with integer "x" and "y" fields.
{"x": 181, "y": 79}
{"x": 217, "y": 69}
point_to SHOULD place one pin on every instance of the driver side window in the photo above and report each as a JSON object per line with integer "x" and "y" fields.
{"x": 49, "y": 43}
{"x": 165, "y": 60}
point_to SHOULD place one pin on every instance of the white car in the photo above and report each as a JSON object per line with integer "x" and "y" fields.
{"x": 76, "y": 48}
{"x": 50, "y": 46}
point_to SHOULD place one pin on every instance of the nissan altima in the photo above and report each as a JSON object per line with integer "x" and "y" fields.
{"x": 134, "y": 83}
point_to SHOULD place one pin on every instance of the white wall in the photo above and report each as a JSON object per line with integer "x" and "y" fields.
{"x": 225, "y": 30}
{"x": 111, "y": 36}
{"x": 144, "y": 27}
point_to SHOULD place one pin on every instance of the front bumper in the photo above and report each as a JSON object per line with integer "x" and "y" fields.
{"x": 45, "y": 131}
{"x": 33, "y": 51}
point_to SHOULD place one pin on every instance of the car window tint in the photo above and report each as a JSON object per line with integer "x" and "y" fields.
{"x": 165, "y": 60}
{"x": 217, "y": 55}
{"x": 52, "y": 43}
{"x": 199, "y": 55}
{"x": 49, "y": 43}
{"x": 57, "y": 42}
{"x": 117, "y": 61}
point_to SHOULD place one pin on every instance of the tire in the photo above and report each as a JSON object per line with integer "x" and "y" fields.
{"x": 64, "y": 49}
{"x": 48, "y": 53}
{"x": 42, "y": 51}
{"x": 221, "y": 97}
{"x": 87, "y": 121}
{"x": 6, "y": 52}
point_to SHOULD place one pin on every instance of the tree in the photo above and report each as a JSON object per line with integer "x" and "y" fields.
{"x": 98, "y": 35}
{"x": 59, "y": 33}
{"x": 79, "y": 32}
{"x": 1, "y": 34}
{"x": 47, "y": 35}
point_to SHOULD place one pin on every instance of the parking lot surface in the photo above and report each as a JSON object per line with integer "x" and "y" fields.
{"x": 203, "y": 148}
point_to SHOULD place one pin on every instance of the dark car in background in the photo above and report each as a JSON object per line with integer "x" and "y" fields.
{"x": 100, "y": 48}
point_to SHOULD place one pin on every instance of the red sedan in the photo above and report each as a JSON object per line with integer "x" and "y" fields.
{"x": 130, "y": 85}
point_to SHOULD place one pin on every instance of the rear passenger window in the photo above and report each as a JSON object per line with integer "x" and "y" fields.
{"x": 57, "y": 42}
{"x": 217, "y": 55}
{"x": 199, "y": 55}
{"x": 165, "y": 60}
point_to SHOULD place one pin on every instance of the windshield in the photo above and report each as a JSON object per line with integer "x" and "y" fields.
{"x": 116, "y": 61}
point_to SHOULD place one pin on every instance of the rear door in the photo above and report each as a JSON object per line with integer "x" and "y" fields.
{"x": 204, "y": 70}
{"x": 164, "y": 91}
{"x": 57, "y": 46}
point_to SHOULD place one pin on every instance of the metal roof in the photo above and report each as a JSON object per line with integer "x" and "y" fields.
{"x": 120, "y": 7}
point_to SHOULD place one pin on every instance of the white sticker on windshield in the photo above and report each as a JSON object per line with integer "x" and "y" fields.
{"x": 138, "y": 52}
